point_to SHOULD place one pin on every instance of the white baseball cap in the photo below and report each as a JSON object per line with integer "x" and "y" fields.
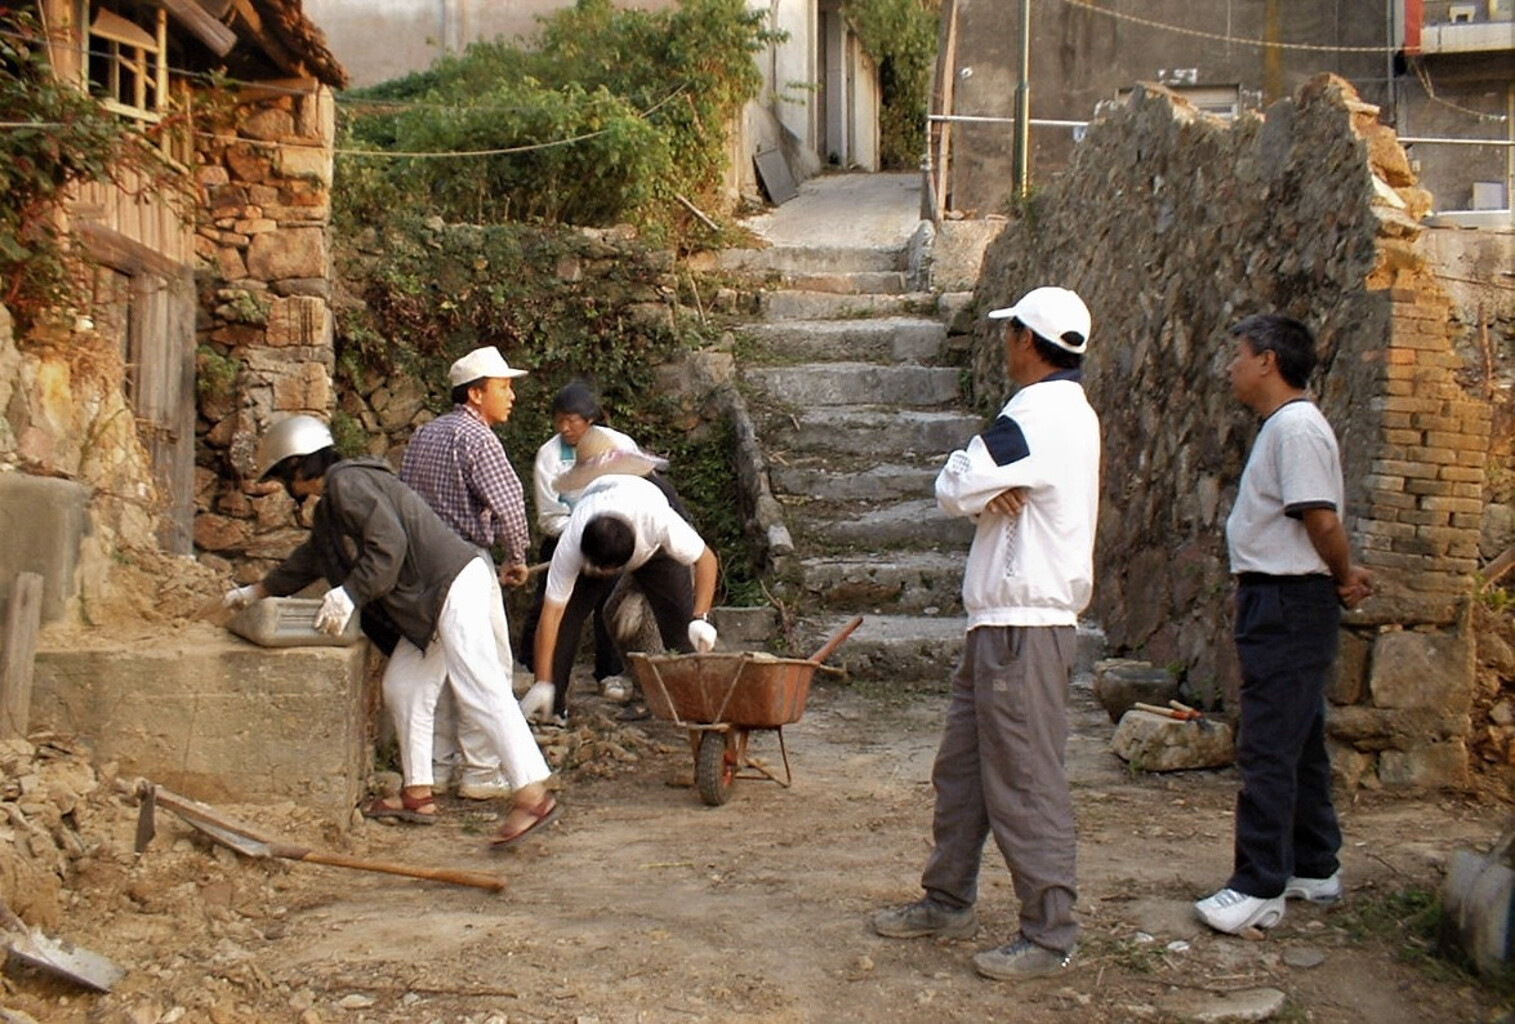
{"x": 1053, "y": 314}
{"x": 479, "y": 364}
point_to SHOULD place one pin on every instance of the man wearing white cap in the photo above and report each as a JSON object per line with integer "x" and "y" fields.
{"x": 1031, "y": 483}
{"x": 457, "y": 464}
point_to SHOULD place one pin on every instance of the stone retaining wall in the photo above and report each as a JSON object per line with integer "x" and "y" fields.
{"x": 1174, "y": 225}
{"x": 266, "y": 331}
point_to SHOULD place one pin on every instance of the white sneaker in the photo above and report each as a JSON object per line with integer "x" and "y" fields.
{"x": 486, "y": 787}
{"x": 616, "y": 688}
{"x": 1234, "y": 912}
{"x": 1316, "y": 890}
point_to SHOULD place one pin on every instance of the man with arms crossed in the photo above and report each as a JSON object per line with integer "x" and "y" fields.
{"x": 1031, "y": 481}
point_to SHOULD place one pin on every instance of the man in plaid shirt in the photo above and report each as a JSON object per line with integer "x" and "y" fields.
{"x": 457, "y": 464}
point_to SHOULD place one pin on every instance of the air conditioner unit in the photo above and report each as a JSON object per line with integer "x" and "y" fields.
{"x": 1459, "y": 14}
{"x": 1502, "y": 10}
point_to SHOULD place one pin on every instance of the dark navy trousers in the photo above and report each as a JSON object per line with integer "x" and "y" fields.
{"x": 1286, "y": 640}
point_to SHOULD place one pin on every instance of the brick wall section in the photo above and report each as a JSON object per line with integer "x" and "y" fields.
{"x": 1174, "y": 225}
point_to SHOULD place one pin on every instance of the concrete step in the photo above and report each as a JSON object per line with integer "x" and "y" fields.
{"x": 852, "y": 383}
{"x": 894, "y": 339}
{"x": 905, "y": 524}
{"x": 802, "y": 305}
{"x": 888, "y": 482}
{"x": 868, "y": 431}
{"x": 900, "y": 581}
{"x": 891, "y": 648}
{"x": 812, "y": 259}
{"x": 859, "y": 282}
{"x": 914, "y": 648}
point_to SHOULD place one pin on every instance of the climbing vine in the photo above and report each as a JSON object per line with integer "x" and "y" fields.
{"x": 55, "y": 138}
{"x": 900, "y": 36}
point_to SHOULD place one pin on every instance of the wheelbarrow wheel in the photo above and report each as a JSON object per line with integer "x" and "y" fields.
{"x": 714, "y": 768}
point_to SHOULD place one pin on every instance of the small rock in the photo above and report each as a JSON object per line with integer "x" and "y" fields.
{"x": 1253, "y": 1004}
{"x": 1304, "y": 956}
{"x": 356, "y": 1001}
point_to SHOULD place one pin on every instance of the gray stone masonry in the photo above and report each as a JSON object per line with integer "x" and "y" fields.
{"x": 1173, "y": 225}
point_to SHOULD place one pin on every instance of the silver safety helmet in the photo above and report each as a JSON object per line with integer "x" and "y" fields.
{"x": 293, "y": 435}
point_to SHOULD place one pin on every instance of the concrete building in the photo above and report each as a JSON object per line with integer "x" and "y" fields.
{"x": 820, "y": 101}
{"x": 1437, "y": 69}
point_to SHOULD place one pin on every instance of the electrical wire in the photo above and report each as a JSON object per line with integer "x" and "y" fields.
{"x": 1424, "y": 77}
{"x": 1221, "y": 37}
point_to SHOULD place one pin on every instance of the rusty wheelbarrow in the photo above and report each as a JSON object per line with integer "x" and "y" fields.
{"x": 721, "y": 698}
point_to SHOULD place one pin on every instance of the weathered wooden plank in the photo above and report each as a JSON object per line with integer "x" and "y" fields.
{"x": 203, "y": 23}
{"x": 21, "y": 622}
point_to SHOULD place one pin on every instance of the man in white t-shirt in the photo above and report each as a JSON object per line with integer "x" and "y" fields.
{"x": 621, "y": 524}
{"x": 1294, "y": 573}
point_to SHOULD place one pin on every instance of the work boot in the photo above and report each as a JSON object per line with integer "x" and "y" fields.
{"x": 926, "y": 917}
{"x": 1019, "y": 960}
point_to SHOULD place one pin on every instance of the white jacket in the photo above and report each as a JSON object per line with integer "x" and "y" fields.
{"x": 1037, "y": 568}
{"x": 555, "y": 458}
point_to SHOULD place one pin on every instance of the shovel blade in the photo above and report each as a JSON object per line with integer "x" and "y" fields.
{"x": 81, "y": 966}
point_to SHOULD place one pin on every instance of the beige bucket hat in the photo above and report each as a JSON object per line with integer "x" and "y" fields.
{"x": 596, "y": 455}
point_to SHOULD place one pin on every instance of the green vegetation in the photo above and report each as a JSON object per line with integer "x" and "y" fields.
{"x": 614, "y": 115}
{"x": 900, "y": 36}
{"x": 1409, "y": 921}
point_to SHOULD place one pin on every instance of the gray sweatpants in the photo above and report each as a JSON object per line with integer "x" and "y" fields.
{"x": 1000, "y": 769}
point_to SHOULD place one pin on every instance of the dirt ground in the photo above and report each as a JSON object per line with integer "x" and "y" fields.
{"x": 644, "y": 905}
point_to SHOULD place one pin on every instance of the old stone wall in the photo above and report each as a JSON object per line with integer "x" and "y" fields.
{"x": 266, "y": 332}
{"x": 1174, "y": 225}
{"x": 72, "y": 467}
{"x": 244, "y": 526}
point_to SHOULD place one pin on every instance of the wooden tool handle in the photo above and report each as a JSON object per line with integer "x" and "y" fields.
{"x": 477, "y": 879}
{"x": 1182, "y": 716}
{"x": 836, "y": 639}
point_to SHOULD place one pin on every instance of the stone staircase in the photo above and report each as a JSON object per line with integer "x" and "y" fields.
{"x": 856, "y": 396}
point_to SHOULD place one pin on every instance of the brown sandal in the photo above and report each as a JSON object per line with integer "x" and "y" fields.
{"x": 544, "y": 813}
{"x": 411, "y": 809}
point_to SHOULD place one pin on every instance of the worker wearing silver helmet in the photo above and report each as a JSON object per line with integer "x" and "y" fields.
{"x": 382, "y": 549}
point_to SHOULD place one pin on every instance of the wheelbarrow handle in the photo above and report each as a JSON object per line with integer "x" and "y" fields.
{"x": 836, "y": 640}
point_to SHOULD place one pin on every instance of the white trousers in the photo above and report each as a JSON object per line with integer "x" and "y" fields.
{"x": 471, "y": 649}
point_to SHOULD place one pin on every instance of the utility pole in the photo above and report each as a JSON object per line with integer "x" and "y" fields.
{"x": 1021, "y": 177}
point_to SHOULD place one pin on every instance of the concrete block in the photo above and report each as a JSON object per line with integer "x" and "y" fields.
{"x": 212, "y": 716}
{"x": 43, "y": 520}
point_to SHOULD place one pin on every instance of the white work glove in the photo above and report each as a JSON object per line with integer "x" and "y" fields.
{"x": 536, "y": 705}
{"x": 701, "y": 635}
{"x": 336, "y": 608}
{"x": 238, "y": 598}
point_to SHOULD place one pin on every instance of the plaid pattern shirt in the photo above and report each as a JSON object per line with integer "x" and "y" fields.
{"x": 458, "y": 465}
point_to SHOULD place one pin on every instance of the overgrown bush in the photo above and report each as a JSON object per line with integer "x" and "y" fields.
{"x": 437, "y": 291}
{"x": 900, "y": 36}
{"x": 608, "y": 119}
